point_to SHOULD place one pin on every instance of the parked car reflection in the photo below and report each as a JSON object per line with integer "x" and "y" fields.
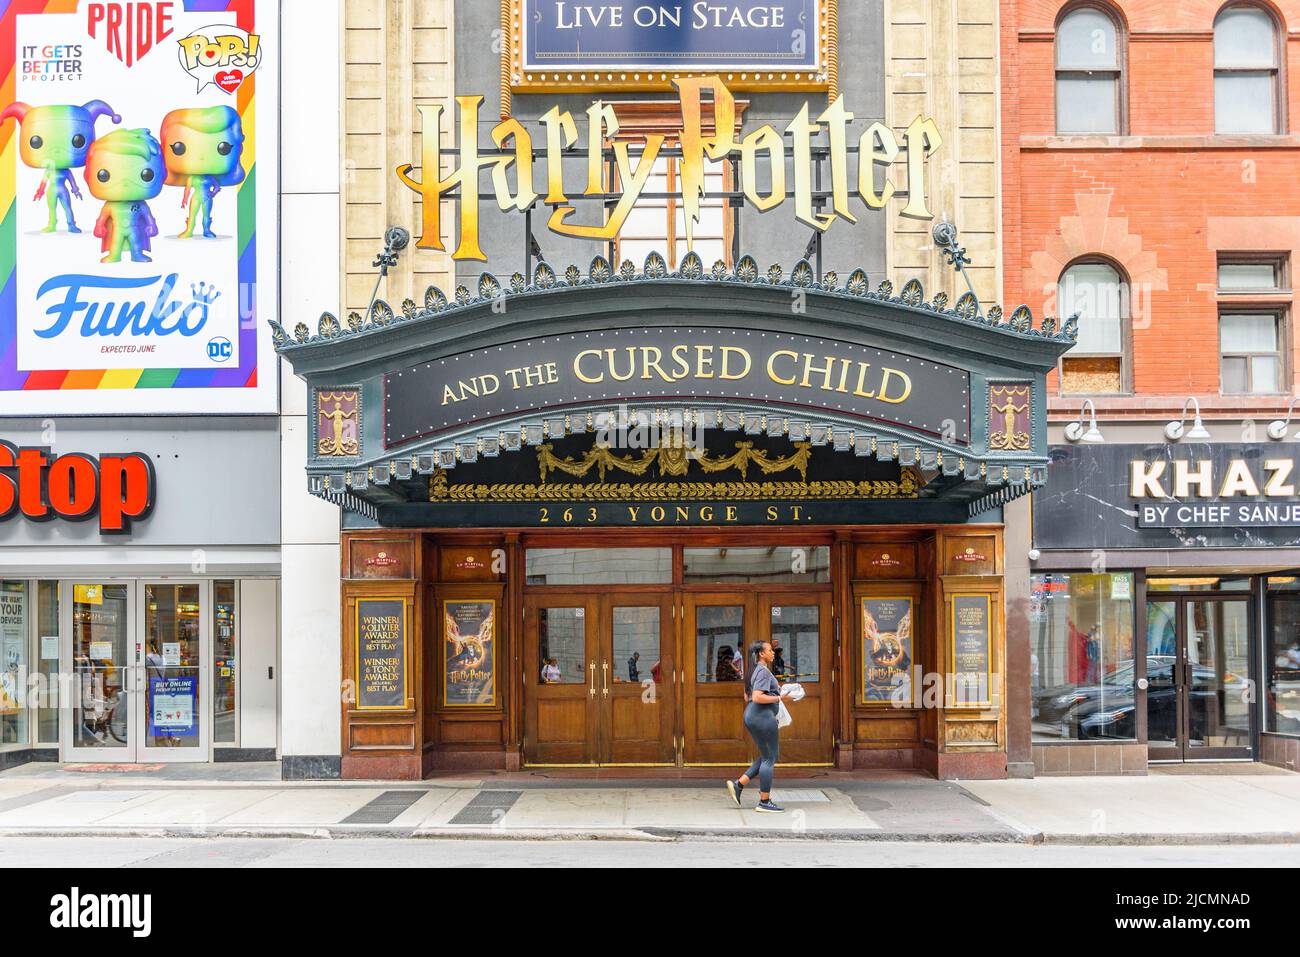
{"x": 1108, "y": 709}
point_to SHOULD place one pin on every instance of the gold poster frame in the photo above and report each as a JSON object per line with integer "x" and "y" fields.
{"x": 825, "y": 78}
{"x": 406, "y": 651}
{"x": 987, "y": 702}
{"x": 912, "y": 605}
{"x": 442, "y": 654}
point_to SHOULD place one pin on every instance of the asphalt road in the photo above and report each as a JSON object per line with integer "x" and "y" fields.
{"x": 81, "y": 852}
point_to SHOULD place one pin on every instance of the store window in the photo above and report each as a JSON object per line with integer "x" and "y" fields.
{"x": 1250, "y": 353}
{"x": 598, "y": 566}
{"x": 659, "y": 224}
{"x": 1246, "y": 71}
{"x": 1282, "y": 656}
{"x": 14, "y": 729}
{"x": 1089, "y": 72}
{"x": 1097, "y": 293}
{"x": 47, "y": 662}
{"x": 225, "y": 665}
{"x": 1082, "y": 666}
{"x": 810, "y": 564}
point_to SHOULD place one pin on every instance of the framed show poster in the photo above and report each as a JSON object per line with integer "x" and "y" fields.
{"x": 887, "y": 624}
{"x": 381, "y": 654}
{"x": 971, "y": 634}
{"x": 469, "y": 652}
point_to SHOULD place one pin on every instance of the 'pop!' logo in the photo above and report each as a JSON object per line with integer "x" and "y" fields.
{"x": 221, "y": 55}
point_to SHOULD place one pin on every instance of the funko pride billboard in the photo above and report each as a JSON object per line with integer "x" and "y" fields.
{"x": 137, "y": 206}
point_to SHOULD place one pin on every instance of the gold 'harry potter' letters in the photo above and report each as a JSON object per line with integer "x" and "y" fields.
{"x": 878, "y": 146}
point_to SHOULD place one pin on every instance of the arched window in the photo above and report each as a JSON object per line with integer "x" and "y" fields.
{"x": 1097, "y": 293}
{"x": 1246, "y": 61}
{"x": 1089, "y": 72}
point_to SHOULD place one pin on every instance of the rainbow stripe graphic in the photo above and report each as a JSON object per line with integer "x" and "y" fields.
{"x": 11, "y": 377}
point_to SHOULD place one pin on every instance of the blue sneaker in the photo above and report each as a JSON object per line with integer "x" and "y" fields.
{"x": 735, "y": 788}
{"x": 769, "y": 807}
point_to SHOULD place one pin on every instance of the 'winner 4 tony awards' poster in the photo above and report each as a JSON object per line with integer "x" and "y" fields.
{"x": 137, "y": 183}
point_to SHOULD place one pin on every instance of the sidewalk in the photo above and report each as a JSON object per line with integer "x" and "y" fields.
{"x": 1234, "y": 804}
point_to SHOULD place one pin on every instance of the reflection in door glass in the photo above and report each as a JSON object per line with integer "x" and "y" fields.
{"x": 720, "y": 643}
{"x": 100, "y": 661}
{"x": 1162, "y": 689}
{"x": 1218, "y": 648}
{"x": 796, "y": 634}
{"x": 636, "y": 644}
{"x": 171, "y": 624}
{"x": 562, "y": 646}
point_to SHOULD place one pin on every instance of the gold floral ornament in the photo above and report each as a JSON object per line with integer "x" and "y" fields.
{"x": 673, "y": 458}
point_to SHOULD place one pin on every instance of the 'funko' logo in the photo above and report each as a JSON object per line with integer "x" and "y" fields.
{"x": 129, "y": 30}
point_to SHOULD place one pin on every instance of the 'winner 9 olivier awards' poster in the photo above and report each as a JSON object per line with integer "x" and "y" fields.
{"x": 138, "y": 189}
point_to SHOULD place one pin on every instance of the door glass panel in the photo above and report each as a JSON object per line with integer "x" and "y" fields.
{"x": 562, "y": 646}
{"x": 225, "y": 664}
{"x": 101, "y": 652}
{"x": 636, "y": 644}
{"x": 1162, "y": 690}
{"x": 13, "y": 664}
{"x": 1282, "y": 656}
{"x": 1218, "y": 643}
{"x": 47, "y": 655}
{"x": 598, "y": 566}
{"x": 719, "y": 643}
{"x": 172, "y": 674}
{"x": 796, "y": 639}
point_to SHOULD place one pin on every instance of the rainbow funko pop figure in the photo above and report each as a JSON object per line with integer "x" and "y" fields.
{"x": 56, "y": 139}
{"x": 201, "y": 147}
{"x": 125, "y": 169}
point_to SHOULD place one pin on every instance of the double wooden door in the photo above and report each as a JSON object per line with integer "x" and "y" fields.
{"x": 658, "y": 677}
{"x": 601, "y": 688}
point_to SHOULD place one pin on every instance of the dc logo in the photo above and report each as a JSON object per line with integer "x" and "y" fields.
{"x": 219, "y": 349}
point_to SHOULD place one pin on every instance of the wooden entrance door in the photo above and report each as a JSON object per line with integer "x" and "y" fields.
{"x": 718, "y": 627}
{"x": 799, "y": 627}
{"x": 561, "y": 679}
{"x": 637, "y": 702}
{"x": 600, "y": 689}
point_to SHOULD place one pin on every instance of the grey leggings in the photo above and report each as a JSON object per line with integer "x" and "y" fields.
{"x": 760, "y": 722}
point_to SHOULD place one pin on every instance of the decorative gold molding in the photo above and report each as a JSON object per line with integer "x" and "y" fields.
{"x": 632, "y": 78}
{"x": 440, "y": 490}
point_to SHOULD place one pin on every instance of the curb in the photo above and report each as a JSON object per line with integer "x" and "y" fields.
{"x": 652, "y": 834}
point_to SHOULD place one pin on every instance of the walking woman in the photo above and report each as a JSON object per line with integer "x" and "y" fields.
{"x": 764, "y": 697}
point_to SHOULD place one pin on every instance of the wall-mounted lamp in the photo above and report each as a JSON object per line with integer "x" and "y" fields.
{"x": 1277, "y": 429}
{"x": 1178, "y": 429}
{"x": 395, "y": 240}
{"x": 1074, "y": 432}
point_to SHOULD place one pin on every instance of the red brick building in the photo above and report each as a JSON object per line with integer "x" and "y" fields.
{"x": 1151, "y": 183}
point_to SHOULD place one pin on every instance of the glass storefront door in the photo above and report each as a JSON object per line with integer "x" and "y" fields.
{"x": 1199, "y": 695}
{"x": 139, "y": 682}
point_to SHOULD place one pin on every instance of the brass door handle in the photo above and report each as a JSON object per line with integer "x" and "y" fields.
{"x": 604, "y": 674}
{"x": 592, "y": 668}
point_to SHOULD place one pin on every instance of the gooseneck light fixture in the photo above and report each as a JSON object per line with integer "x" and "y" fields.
{"x": 1075, "y": 432}
{"x": 1277, "y": 429}
{"x": 395, "y": 240}
{"x": 1178, "y": 428}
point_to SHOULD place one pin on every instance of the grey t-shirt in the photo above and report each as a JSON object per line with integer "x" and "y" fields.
{"x": 763, "y": 680}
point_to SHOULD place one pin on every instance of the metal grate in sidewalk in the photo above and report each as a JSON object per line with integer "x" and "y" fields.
{"x": 383, "y": 809}
{"x": 486, "y": 807}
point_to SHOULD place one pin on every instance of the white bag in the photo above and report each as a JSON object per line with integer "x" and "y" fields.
{"x": 794, "y": 690}
{"x": 783, "y": 716}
